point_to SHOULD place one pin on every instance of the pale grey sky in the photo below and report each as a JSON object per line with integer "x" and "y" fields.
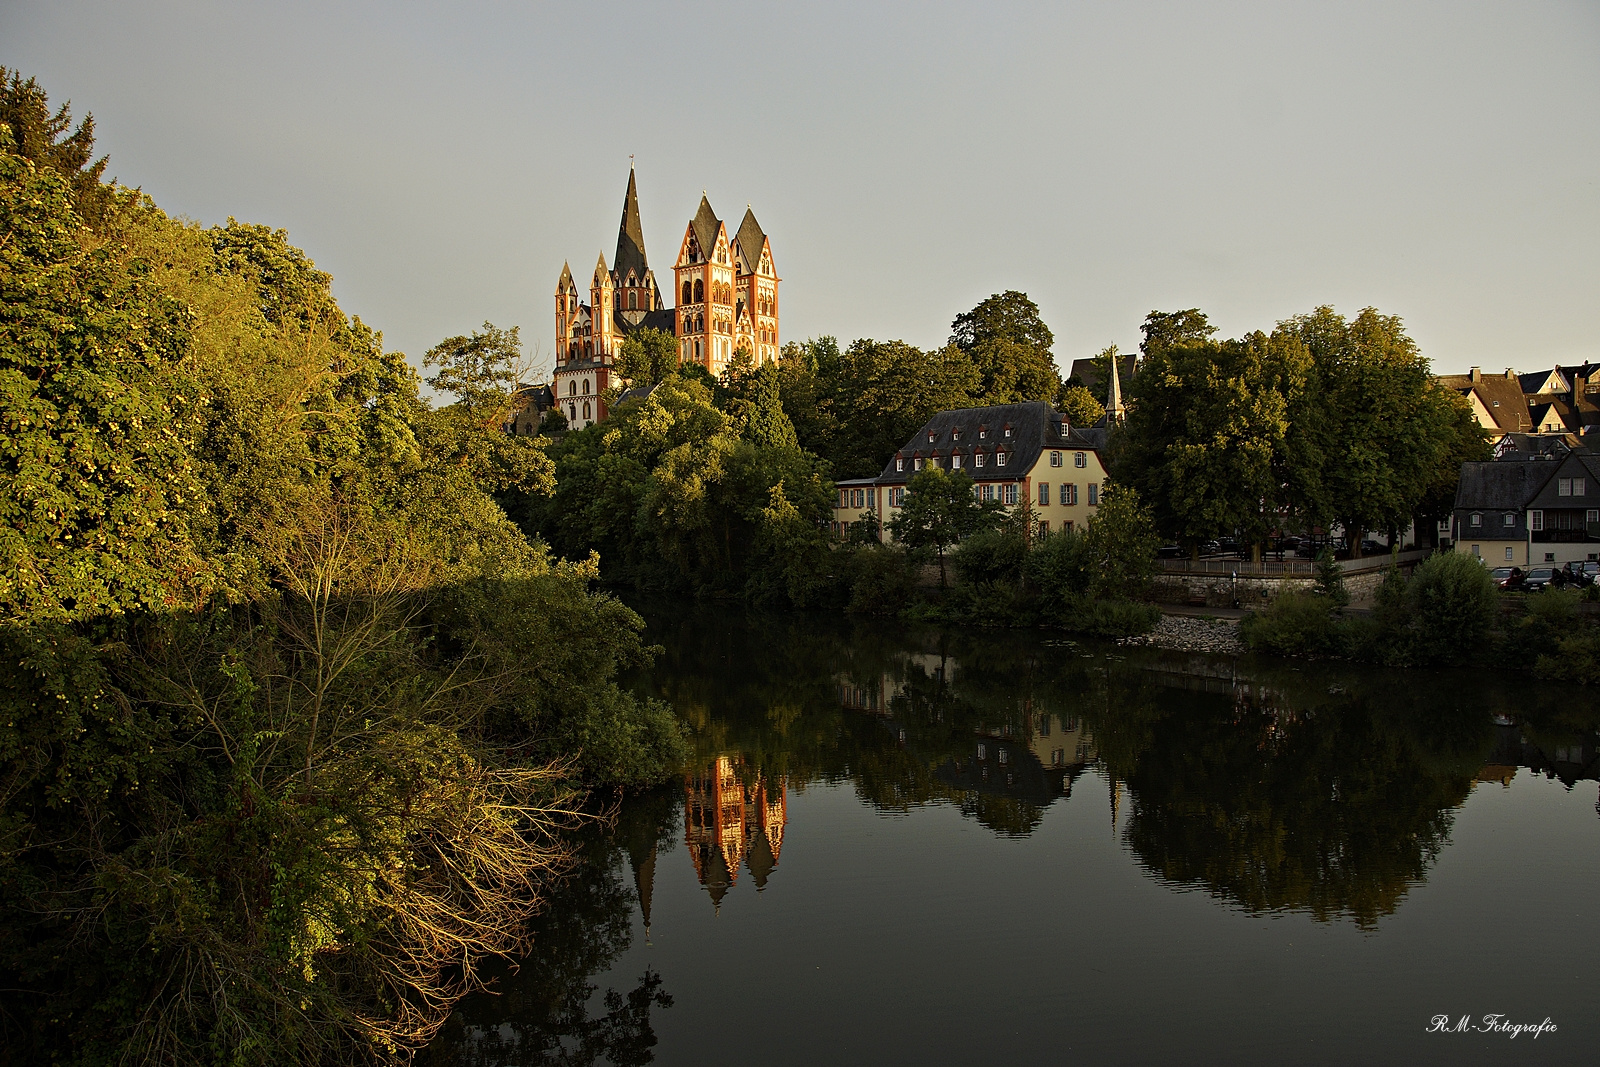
{"x": 1440, "y": 161}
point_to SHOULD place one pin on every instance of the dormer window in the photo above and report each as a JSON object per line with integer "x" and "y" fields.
{"x": 1008, "y": 431}
{"x": 955, "y": 435}
{"x": 955, "y": 461}
{"x": 930, "y": 437}
{"x": 977, "y": 460}
{"x": 899, "y": 463}
{"x": 917, "y": 463}
{"x": 1000, "y": 457}
{"x": 983, "y": 433}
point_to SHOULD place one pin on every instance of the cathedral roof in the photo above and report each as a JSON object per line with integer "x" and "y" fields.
{"x": 630, "y": 237}
{"x": 564, "y": 284}
{"x": 750, "y": 240}
{"x": 706, "y": 224}
{"x": 602, "y": 277}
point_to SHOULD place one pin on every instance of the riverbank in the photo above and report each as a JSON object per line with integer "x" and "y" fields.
{"x": 1193, "y": 633}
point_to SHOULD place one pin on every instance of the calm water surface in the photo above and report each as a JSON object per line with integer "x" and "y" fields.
{"x": 909, "y": 846}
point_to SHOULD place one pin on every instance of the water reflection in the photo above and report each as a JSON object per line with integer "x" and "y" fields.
{"x": 1270, "y": 786}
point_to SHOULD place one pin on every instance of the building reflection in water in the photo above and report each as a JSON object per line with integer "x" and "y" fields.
{"x": 733, "y": 819}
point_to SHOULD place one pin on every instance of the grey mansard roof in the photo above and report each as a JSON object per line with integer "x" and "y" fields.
{"x": 1035, "y": 427}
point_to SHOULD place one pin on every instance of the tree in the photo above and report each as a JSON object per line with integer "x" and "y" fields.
{"x": 885, "y": 391}
{"x": 940, "y": 509}
{"x": 1121, "y": 544}
{"x": 1079, "y": 406}
{"x": 43, "y": 138}
{"x": 647, "y": 356}
{"x": 1009, "y": 344}
{"x": 1174, "y": 329}
{"x": 1207, "y": 444}
{"x": 482, "y": 369}
{"x": 767, "y": 424}
{"x": 808, "y": 373}
{"x": 1380, "y": 435}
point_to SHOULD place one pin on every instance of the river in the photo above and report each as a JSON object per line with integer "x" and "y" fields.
{"x": 902, "y": 845}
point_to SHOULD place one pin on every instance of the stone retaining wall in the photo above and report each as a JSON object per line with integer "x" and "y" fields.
{"x": 1253, "y": 590}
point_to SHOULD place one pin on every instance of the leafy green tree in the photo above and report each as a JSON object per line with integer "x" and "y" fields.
{"x": 1386, "y": 435}
{"x": 1453, "y": 604}
{"x": 1174, "y": 329}
{"x": 808, "y": 372}
{"x": 1121, "y": 543}
{"x": 885, "y": 391}
{"x": 1207, "y": 445}
{"x": 44, "y": 138}
{"x": 647, "y": 356}
{"x": 482, "y": 369}
{"x": 767, "y": 424}
{"x": 1330, "y": 579}
{"x": 1010, "y": 345}
{"x": 1079, "y": 406}
{"x": 98, "y": 492}
{"x": 940, "y": 509}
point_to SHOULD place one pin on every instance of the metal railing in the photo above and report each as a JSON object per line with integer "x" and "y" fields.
{"x": 1286, "y": 566}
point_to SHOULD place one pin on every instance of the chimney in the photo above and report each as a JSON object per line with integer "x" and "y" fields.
{"x": 1477, "y": 374}
{"x": 1511, "y": 375}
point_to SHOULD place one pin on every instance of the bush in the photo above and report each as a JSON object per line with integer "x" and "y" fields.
{"x": 883, "y": 580}
{"x": 1577, "y": 659}
{"x": 1296, "y": 623}
{"x": 1452, "y": 602}
{"x": 1108, "y": 618}
{"x": 992, "y": 556}
{"x": 990, "y": 604}
{"x": 1330, "y": 579}
{"x": 1058, "y": 566}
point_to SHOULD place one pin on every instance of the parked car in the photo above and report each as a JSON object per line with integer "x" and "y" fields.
{"x": 1537, "y": 578}
{"x": 1579, "y": 574}
{"x": 1369, "y": 547}
{"x": 1506, "y": 577}
{"x": 1169, "y": 552}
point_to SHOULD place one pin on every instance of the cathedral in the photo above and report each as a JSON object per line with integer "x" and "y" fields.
{"x": 727, "y": 290}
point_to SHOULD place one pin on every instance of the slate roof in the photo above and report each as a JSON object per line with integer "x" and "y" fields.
{"x": 1584, "y": 465}
{"x": 565, "y": 283}
{"x": 1501, "y": 486}
{"x": 750, "y": 241}
{"x": 1535, "y": 382}
{"x": 705, "y": 223}
{"x": 638, "y": 392}
{"x": 660, "y": 319}
{"x": 1035, "y": 426}
{"x": 630, "y": 238}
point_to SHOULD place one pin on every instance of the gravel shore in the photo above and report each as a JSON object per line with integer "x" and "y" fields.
{"x": 1189, "y": 634}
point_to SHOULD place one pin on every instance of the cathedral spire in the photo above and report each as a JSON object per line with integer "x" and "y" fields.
{"x": 630, "y": 238}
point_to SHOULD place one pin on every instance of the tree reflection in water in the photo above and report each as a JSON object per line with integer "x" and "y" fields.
{"x": 541, "y": 1011}
{"x": 1271, "y": 785}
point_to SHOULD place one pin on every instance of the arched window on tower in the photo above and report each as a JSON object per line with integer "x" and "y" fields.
{"x": 688, "y": 292}
{"x": 586, "y": 409}
{"x": 699, "y": 291}
{"x": 633, "y": 300}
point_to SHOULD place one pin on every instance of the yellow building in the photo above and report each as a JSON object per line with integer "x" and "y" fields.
{"x": 1012, "y": 452}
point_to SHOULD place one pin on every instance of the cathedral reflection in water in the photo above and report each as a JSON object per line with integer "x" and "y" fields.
{"x": 732, "y": 819}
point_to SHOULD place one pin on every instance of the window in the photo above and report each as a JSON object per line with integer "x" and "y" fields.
{"x": 1477, "y": 519}
{"x": 917, "y": 463}
{"x": 586, "y": 409}
{"x": 983, "y": 751}
{"x": 986, "y": 492}
{"x": 1055, "y": 459}
{"x": 872, "y": 498}
{"x": 977, "y": 460}
{"x": 897, "y": 497}
{"x": 699, "y": 291}
{"x": 586, "y": 387}
{"x": 999, "y": 459}
{"x": 1577, "y": 487}
{"x": 1592, "y": 515}
{"x": 855, "y": 498}
{"x": 844, "y": 498}
{"x": 1004, "y": 757}
{"x": 1094, "y": 495}
{"x": 930, "y": 437}
{"x": 1011, "y": 493}
{"x": 1509, "y": 556}
{"x": 899, "y": 463}
{"x": 1563, "y": 487}
{"x": 1044, "y": 527}
{"x": 1044, "y": 494}
{"x": 1008, "y": 431}
{"x": 983, "y": 433}
{"x": 1080, "y": 460}
{"x": 1509, "y": 519}
{"x": 955, "y": 435}
{"x": 1069, "y": 495}
{"x": 1549, "y": 557}
{"x": 1477, "y": 550}
{"x": 1535, "y": 523}
{"x": 572, "y": 412}
{"x": 572, "y": 387}
{"x": 688, "y": 293}
{"x": 633, "y": 301}
{"x": 955, "y": 461}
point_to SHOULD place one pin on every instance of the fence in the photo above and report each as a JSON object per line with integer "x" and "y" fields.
{"x": 1243, "y": 567}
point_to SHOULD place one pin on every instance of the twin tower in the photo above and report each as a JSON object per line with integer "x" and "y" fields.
{"x": 727, "y": 299}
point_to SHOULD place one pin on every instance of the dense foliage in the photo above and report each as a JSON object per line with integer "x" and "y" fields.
{"x": 293, "y": 712}
{"x": 1323, "y": 422}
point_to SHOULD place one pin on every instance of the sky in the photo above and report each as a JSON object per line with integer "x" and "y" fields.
{"x": 1437, "y": 161}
